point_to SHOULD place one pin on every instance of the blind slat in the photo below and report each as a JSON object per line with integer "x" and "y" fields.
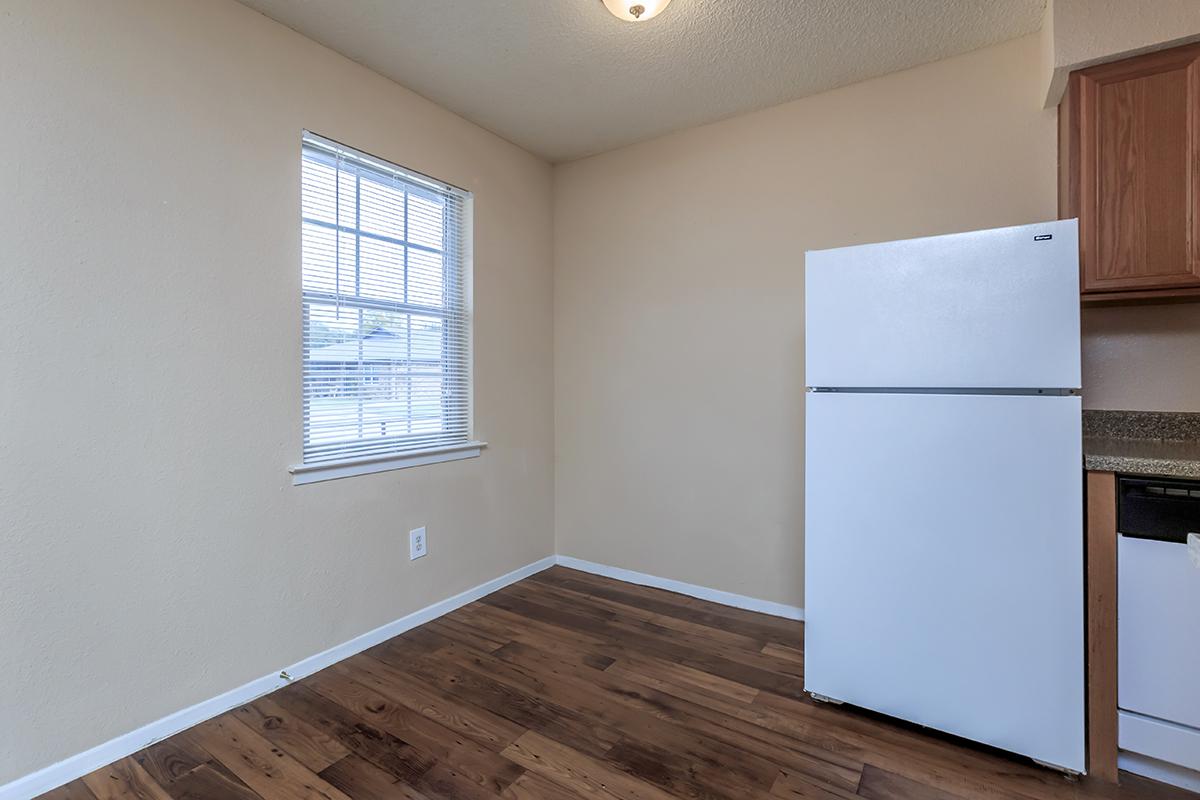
{"x": 386, "y": 334}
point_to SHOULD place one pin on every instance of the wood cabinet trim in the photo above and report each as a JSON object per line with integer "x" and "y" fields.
{"x": 1136, "y": 297}
{"x": 1101, "y": 559}
{"x": 1142, "y": 66}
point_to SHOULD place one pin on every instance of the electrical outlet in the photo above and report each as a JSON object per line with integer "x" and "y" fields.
{"x": 416, "y": 543}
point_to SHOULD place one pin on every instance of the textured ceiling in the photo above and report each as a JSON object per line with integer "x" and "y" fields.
{"x": 564, "y": 78}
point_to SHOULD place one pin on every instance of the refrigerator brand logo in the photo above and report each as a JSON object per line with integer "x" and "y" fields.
{"x": 1043, "y": 237}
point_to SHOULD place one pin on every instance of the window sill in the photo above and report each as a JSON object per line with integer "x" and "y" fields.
{"x": 332, "y": 470}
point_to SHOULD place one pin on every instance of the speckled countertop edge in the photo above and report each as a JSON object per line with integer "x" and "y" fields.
{"x": 1142, "y": 443}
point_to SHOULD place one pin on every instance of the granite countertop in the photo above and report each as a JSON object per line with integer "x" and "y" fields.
{"x": 1142, "y": 443}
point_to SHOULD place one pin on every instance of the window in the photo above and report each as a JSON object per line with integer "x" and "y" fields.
{"x": 386, "y": 333}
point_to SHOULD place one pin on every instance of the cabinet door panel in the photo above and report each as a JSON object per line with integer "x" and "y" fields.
{"x": 1138, "y": 140}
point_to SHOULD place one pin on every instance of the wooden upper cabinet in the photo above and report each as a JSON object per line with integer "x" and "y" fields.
{"x": 1129, "y": 169}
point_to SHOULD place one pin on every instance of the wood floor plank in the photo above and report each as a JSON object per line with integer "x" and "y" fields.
{"x": 622, "y": 706}
{"x": 695, "y": 680}
{"x": 573, "y": 681}
{"x": 532, "y": 786}
{"x": 699, "y": 640}
{"x": 391, "y": 754}
{"x": 479, "y": 765}
{"x": 474, "y": 722}
{"x": 666, "y": 684}
{"x": 208, "y": 781}
{"x": 703, "y": 638}
{"x": 573, "y": 770}
{"x": 657, "y": 641}
{"x": 677, "y": 737}
{"x": 676, "y": 720}
{"x": 776, "y": 650}
{"x": 570, "y": 686}
{"x": 309, "y": 745}
{"x": 187, "y": 771}
{"x": 522, "y": 705}
{"x": 262, "y": 766}
{"x": 628, "y": 608}
{"x": 797, "y": 785}
{"x": 676, "y": 773}
{"x": 975, "y": 772}
{"x": 879, "y": 784}
{"x": 362, "y": 780}
{"x": 451, "y": 628}
{"x": 446, "y": 781}
{"x": 554, "y": 658}
{"x": 539, "y": 634}
{"x": 171, "y": 758}
{"x": 75, "y": 790}
{"x": 760, "y": 626}
{"x": 124, "y": 780}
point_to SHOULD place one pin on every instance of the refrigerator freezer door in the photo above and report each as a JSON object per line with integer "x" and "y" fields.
{"x": 989, "y": 309}
{"x": 944, "y": 564}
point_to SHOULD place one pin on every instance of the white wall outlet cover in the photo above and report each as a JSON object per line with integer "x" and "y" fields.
{"x": 417, "y": 543}
{"x": 1193, "y": 546}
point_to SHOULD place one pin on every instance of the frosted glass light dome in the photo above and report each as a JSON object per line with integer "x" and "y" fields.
{"x": 635, "y": 10}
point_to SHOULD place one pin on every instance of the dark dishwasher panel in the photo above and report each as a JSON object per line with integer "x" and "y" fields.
{"x": 1162, "y": 509}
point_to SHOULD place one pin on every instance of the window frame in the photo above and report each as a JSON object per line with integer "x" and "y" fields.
{"x": 457, "y": 368}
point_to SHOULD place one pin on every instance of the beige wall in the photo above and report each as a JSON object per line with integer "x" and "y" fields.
{"x": 153, "y": 552}
{"x": 679, "y": 295}
{"x": 679, "y": 367}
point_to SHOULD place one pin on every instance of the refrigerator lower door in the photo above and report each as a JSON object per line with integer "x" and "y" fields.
{"x": 944, "y": 564}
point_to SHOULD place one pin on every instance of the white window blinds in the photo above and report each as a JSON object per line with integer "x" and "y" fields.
{"x": 386, "y": 334}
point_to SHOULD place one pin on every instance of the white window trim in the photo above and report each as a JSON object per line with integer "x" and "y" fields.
{"x": 332, "y": 470}
{"x": 305, "y": 473}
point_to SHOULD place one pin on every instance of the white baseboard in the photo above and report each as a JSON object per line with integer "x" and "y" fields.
{"x": 101, "y": 755}
{"x": 690, "y": 589}
{"x": 1157, "y": 770}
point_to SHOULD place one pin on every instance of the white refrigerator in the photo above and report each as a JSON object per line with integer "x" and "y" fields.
{"x": 943, "y": 485}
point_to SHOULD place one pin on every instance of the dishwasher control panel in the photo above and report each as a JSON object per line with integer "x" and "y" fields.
{"x": 1163, "y": 509}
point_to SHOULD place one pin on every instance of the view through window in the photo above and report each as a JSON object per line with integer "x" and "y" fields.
{"x": 386, "y": 334}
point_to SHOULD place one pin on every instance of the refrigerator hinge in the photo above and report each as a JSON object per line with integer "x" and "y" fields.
{"x": 1068, "y": 773}
{"x": 820, "y": 698}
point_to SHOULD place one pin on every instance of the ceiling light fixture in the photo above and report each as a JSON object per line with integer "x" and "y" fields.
{"x": 635, "y": 10}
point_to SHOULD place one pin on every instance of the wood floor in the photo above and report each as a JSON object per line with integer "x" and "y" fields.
{"x": 567, "y": 685}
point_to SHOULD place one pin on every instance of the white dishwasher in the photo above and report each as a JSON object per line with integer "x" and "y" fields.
{"x": 1158, "y": 619}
